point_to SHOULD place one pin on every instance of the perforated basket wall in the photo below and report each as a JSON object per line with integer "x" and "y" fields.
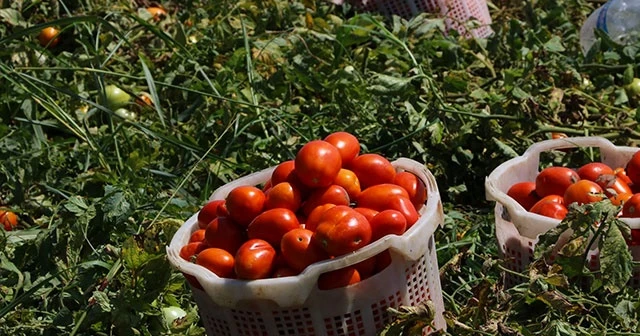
{"x": 457, "y": 13}
{"x": 296, "y": 306}
{"x": 517, "y": 230}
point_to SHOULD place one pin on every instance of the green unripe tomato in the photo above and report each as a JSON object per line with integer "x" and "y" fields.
{"x": 633, "y": 88}
{"x": 126, "y": 114}
{"x": 115, "y": 97}
{"x": 173, "y": 317}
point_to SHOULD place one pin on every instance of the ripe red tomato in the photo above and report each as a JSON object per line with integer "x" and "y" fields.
{"x": 8, "y": 219}
{"x": 387, "y": 222}
{"x": 582, "y": 192}
{"x": 349, "y": 181}
{"x": 223, "y": 233}
{"x": 383, "y": 260}
{"x": 555, "y": 180}
{"x": 612, "y": 185}
{"x": 255, "y": 259}
{"x": 631, "y": 207}
{"x": 317, "y": 164}
{"x": 283, "y": 195}
{"x": 298, "y": 250}
{"x": 366, "y": 268}
{"x": 333, "y": 194}
{"x": 282, "y": 172}
{"x": 316, "y": 214}
{"x": 372, "y": 169}
{"x": 244, "y": 203}
{"x": 406, "y": 208}
{"x": 377, "y": 197}
{"x": 633, "y": 168}
{"x": 550, "y": 208}
{"x": 272, "y": 224}
{"x": 347, "y": 144}
{"x": 218, "y": 261}
{"x": 524, "y": 193}
{"x": 342, "y": 230}
{"x": 197, "y": 236}
{"x": 283, "y": 271}
{"x": 368, "y": 213}
{"x": 208, "y": 213}
{"x": 592, "y": 170}
{"x": 339, "y": 278}
{"x": 48, "y": 37}
{"x": 414, "y": 186}
{"x": 187, "y": 252}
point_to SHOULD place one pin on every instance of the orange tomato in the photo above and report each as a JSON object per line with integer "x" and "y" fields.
{"x": 197, "y": 236}
{"x": 8, "y": 219}
{"x": 157, "y": 12}
{"x": 49, "y": 37}
{"x": 216, "y": 260}
{"x": 349, "y": 181}
{"x": 187, "y": 252}
{"x": 583, "y": 192}
{"x": 283, "y": 195}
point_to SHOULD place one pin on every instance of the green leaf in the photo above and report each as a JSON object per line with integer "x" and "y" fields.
{"x": 628, "y": 75}
{"x": 554, "y": 45}
{"x": 115, "y": 206}
{"x": 615, "y": 260}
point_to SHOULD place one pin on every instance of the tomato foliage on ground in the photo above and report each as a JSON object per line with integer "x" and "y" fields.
{"x": 237, "y": 86}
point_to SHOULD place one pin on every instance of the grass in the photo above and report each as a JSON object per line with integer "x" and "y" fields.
{"x": 238, "y": 86}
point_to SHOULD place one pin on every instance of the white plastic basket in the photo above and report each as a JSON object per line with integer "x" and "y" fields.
{"x": 295, "y": 306}
{"x": 517, "y": 230}
{"x": 456, "y": 12}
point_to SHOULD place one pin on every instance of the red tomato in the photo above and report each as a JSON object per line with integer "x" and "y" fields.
{"x": 49, "y": 37}
{"x": 316, "y": 214}
{"x": 349, "y": 181}
{"x": 368, "y": 213}
{"x": 255, "y": 260}
{"x": 612, "y": 185}
{"x": 555, "y": 180}
{"x": 283, "y": 271}
{"x": 197, "y": 236}
{"x": 405, "y": 207}
{"x": 557, "y": 135}
{"x": 272, "y": 224}
{"x": 191, "y": 250}
{"x": 387, "y": 222}
{"x": 622, "y": 174}
{"x": 524, "y": 193}
{"x": 592, "y": 170}
{"x": 383, "y": 260}
{"x": 299, "y": 251}
{"x": 282, "y": 172}
{"x": 216, "y": 260}
{"x": 267, "y": 185}
{"x": 283, "y": 195}
{"x": 582, "y": 192}
{"x": 549, "y": 208}
{"x": 377, "y": 197}
{"x": 317, "y": 164}
{"x": 223, "y": 233}
{"x": 631, "y": 207}
{"x": 339, "y": 278}
{"x": 366, "y": 268}
{"x": 620, "y": 199}
{"x": 342, "y": 230}
{"x": 414, "y": 186}
{"x": 633, "y": 168}
{"x": 8, "y": 219}
{"x": 347, "y": 144}
{"x": 372, "y": 169}
{"x": 333, "y": 194}
{"x": 553, "y": 199}
{"x": 244, "y": 203}
{"x": 208, "y": 213}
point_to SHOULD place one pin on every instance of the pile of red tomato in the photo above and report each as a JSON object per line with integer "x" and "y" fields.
{"x": 556, "y": 187}
{"x": 329, "y": 201}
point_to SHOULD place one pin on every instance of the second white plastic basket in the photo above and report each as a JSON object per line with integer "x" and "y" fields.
{"x": 457, "y": 13}
{"x": 517, "y": 230}
{"x": 296, "y": 306}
